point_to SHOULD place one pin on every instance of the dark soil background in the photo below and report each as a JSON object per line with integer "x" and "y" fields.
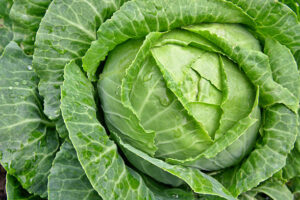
{"x": 2, "y": 183}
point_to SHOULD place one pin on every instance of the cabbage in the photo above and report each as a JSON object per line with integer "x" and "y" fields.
{"x": 161, "y": 99}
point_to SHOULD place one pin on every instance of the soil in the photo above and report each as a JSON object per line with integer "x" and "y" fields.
{"x": 2, "y": 183}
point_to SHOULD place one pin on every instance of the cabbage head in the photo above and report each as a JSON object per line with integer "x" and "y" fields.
{"x": 156, "y": 100}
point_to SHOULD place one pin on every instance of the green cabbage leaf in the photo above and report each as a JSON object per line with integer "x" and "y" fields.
{"x": 158, "y": 100}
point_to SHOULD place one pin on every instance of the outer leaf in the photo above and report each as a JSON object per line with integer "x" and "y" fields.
{"x": 65, "y": 33}
{"x": 61, "y": 128}
{"x": 197, "y": 180}
{"x": 162, "y": 192}
{"x": 4, "y": 13}
{"x": 14, "y": 190}
{"x": 283, "y": 66}
{"x": 294, "y": 5}
{"x": 274, "y": 20}
{"x": 26, "y": 16}
{"x": 274, "y": 189}
{"x": 280, "y": 130}
{"x": 27, "y": 143}
{"x": 295, "y": 186}
{"x": 292, "y": 167}
{"x": 67, "y": 179}
{"x": 97, "y": 154}
{"x": 285, "y": 72}
{"x": 250, "y": 195}
{"x": 5, "y": 37}
{"x": 5, "y": 24}
{"x": 266, "y": 13}
{"x": 4, "y": 10}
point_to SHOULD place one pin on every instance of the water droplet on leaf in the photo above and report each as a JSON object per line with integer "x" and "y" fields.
{"x": 29, "y": 67}
{"x": 165, "y": 101}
